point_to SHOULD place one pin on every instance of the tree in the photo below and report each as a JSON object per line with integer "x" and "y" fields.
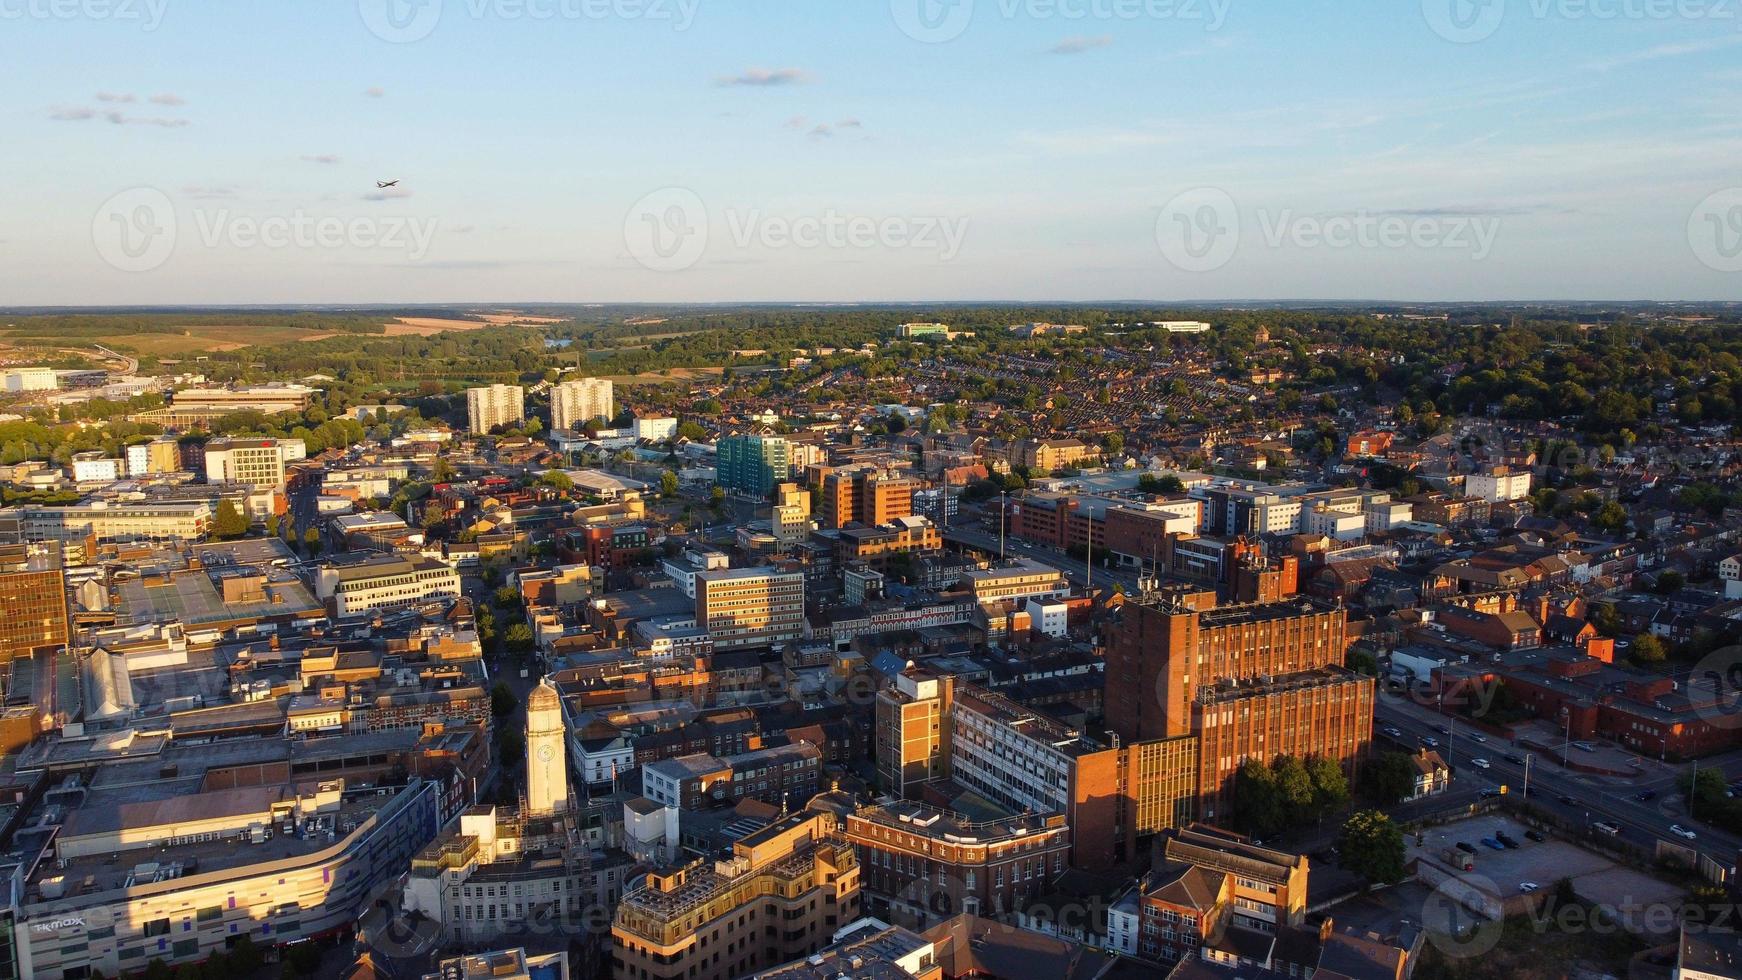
{"x": 1258, "y": 810}
{"x": 1371, "y": 846}
{"x": 668, "y": 484}
{"x": 311, "y": 539}
{"x": 1330, "y": 784}
{"x": 556, "y": 480}
{"x": 1648, "y": 649}
{"x": 502, "y": 700}
{"x": 245, "y": 957}
{"x": 442, "y": 471}
{"x": 228, "y": 523}
{"x": 510, "y": 748}
{"x": 1293, "y": 787}
{"x": 272, "y": 525}
{"x": 519, "y": 637}
{"x": 1388, "y": 778}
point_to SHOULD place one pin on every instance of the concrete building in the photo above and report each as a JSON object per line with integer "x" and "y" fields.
{"x": 503, "y": 964}
{"x": 750, "y": 607}
{"x": 161, "y": 455}
{"x": 575, "y": 403}
{"x": 259, "y": 463}
{"x": 496, "y": 405}
{"x": 752, "y": 464}
{"x": 153, "y": 871}
{"x": 367, "y": 581}
{"x": 790, "y": 519}
{"x": 1498, "y": 483}
{"x": 782, "y": 894}
{"x": 921, "y": 864}
{"x": 94, "y": 467}
{"x": 783, "y": 775}
{"x": 16, "y": 380}
{"x": 33, "y": 593}
{"x": 1257, "y": 678}
{"x": 106, "y": 521}
{"x": 655, "y": 429}
{"x": 1017, "y": 579}
{"x": 865, "y": 496}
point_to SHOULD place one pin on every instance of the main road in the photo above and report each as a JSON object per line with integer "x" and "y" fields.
{"x": 1578, "y": 797}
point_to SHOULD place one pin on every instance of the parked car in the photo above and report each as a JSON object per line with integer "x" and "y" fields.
{"x": 1680, "y": 831}
{"x": 1466, "y": 847}
{"x": 1508, "y": 840}
{"x": 1568, "y": 801}
{"x": 1516, "y": 760}
{"x": 1479, "y": 763}
{"x": 1429, "y": 741}
{"x": 1392, "y": 731}
{"x": 1490, "y": 793}
{"x": 1477, "y": 737}
{"x": 1493, "y": 844}
{"x": 1536, "y": 835}
{"x": 1584, "y": 746}
{"x": 1526, "y": 887}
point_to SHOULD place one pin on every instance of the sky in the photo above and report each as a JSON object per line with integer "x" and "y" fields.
{"x": 207, "y": 152}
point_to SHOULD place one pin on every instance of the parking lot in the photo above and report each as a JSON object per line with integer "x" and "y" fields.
{"x": 1594, "y": 877}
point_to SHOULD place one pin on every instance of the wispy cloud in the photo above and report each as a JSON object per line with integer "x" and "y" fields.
{"x": 209, "y": 192}
{"x": 766, "y": 78}
{"x": 387, "y": 194}
{"x": 1078, "y": 45}
{"x": 115, "y": 97}
{"x": 322, "y": 158}
{"x": 168, "y": 98}
{"x": 1661, "y": 51}
{"x": 375, "y": 91}
{"x": 114, "y": 116}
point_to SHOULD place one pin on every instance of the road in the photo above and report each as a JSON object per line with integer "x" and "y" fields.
{"x": 1594, "y": 797}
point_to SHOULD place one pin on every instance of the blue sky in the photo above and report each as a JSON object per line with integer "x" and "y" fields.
{"x": 664, "y": 150}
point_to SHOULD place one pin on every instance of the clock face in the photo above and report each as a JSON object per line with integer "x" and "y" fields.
{"x": 545, "y": 752}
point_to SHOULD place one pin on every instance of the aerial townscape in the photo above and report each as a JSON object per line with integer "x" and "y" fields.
{"x": 677, "y": 643}
{"x": 871, "y": 490}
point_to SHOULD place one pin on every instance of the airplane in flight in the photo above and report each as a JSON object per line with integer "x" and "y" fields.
{"x": 384, "y": 184}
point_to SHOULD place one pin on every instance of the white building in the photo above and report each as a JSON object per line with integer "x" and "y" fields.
{"x": 29, "y": 379}
{"x": 496, "y": 405}
{"x": 256, "y": 462}
{"x": 382, "y": 581}
{"x": 93, "y": 467}
{"x": 575, "y": 403}
{"x": 106, "y": 521}
{"x": 1182, "y": 326}
{"x": 1500, "y": 483}
{"x": 1050, "y": 616}
{"x": 1389, "y": 514}
{"x": 656, "y": 430}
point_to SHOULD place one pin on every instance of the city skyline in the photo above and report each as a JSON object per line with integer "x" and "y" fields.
{"x": 683, "y": 152}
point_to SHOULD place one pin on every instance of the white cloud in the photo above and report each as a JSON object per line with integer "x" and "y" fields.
{"x": 1078, "y": 45}
{"x": 766, "y": 78}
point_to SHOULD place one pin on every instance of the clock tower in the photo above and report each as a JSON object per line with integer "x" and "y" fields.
{"x": 547, "y": 760}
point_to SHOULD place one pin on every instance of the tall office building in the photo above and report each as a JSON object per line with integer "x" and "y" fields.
{"x": 161, "y": 455}
{"x": 496, "y": 405}
{"x": 575, "y": 403}
{"x": 750, "y": 607}
{"x": 257, "y": 462}
{"x": 1250, "y": 680}
{"x": 752, "y": 464}
{"x": 868, "y": 496}
{"x": 547, "y": 760}
{"x": 33, "y": 593}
